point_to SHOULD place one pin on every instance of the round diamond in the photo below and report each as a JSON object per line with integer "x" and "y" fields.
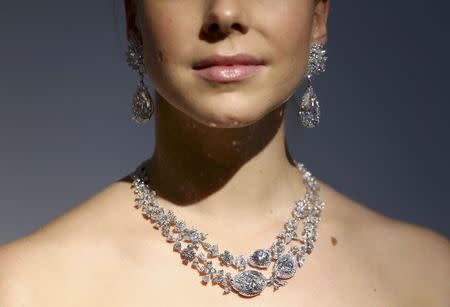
{"x": 285, "y": 266}
{"x": 260, "y": 258}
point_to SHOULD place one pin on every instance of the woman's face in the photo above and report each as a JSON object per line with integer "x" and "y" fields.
{"x": 178, "y": 33}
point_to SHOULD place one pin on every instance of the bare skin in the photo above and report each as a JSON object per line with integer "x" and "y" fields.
{"x": 104, "y": 253}
{"x": 221, "y": 164}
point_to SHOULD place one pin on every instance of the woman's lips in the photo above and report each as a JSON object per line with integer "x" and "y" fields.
{"x": 228, "y": 73}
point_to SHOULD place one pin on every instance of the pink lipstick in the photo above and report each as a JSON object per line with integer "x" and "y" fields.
{"x": 218, "y": 68}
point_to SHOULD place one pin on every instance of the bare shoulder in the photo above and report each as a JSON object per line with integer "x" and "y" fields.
{"x": 32, "y": 266}
{"x": 412, "y": 258}
{"x": 420, "y": 258}
{"x": 13, "y": 291}
{"x": 27, "y": 266}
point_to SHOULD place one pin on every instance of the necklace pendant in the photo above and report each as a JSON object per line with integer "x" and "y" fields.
{"x": 286, "y": 266}
{"x": 249, "y": 283}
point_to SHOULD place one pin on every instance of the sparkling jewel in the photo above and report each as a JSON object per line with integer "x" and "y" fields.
{"x": 142, "y": 107}
{"x": 260, "y": 258}
{"x": 135, "y": 55}
{"x": 285, "y": 266}
{"x": 309, "y": 108}
{"x": 249, "y": 283}
{"x": 317, "y": 60}
{"x": 226, "y": 258}
{"x": 240, "y": 263}
{"x": 309, "y": 111}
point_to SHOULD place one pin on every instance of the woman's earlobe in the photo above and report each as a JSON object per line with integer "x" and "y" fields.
{"x": 131, "y": 19}
{"x": 320, "y": 17}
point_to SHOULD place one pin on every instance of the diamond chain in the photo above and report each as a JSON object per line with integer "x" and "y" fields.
{"x": 246, "y": 282}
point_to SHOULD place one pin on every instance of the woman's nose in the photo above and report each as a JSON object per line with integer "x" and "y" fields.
{"x": 224, "y": 17}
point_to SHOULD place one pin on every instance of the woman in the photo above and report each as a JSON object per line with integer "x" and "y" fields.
{"x": 223, "y": 71}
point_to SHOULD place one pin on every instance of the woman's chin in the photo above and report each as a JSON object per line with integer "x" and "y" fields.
{"x": 227, "y": 119}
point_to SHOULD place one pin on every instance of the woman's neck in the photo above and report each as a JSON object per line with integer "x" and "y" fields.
{"x": 220, "y": 170}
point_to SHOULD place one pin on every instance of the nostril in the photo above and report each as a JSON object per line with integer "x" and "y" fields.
{"x": 213, "y": 28}
{"x": 237, "y": 26}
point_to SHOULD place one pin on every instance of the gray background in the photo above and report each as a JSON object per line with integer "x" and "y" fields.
{"x": 66, "y": 130}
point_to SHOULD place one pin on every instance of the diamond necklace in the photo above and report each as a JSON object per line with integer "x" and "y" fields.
{"x": 247, "y": 282}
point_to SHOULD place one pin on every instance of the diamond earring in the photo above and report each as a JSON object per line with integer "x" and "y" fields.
{"x": 309, "y": 112}
{"x": 142, "y": 105}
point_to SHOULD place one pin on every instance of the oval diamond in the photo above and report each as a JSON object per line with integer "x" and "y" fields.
{"x": 249, "y": 283}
